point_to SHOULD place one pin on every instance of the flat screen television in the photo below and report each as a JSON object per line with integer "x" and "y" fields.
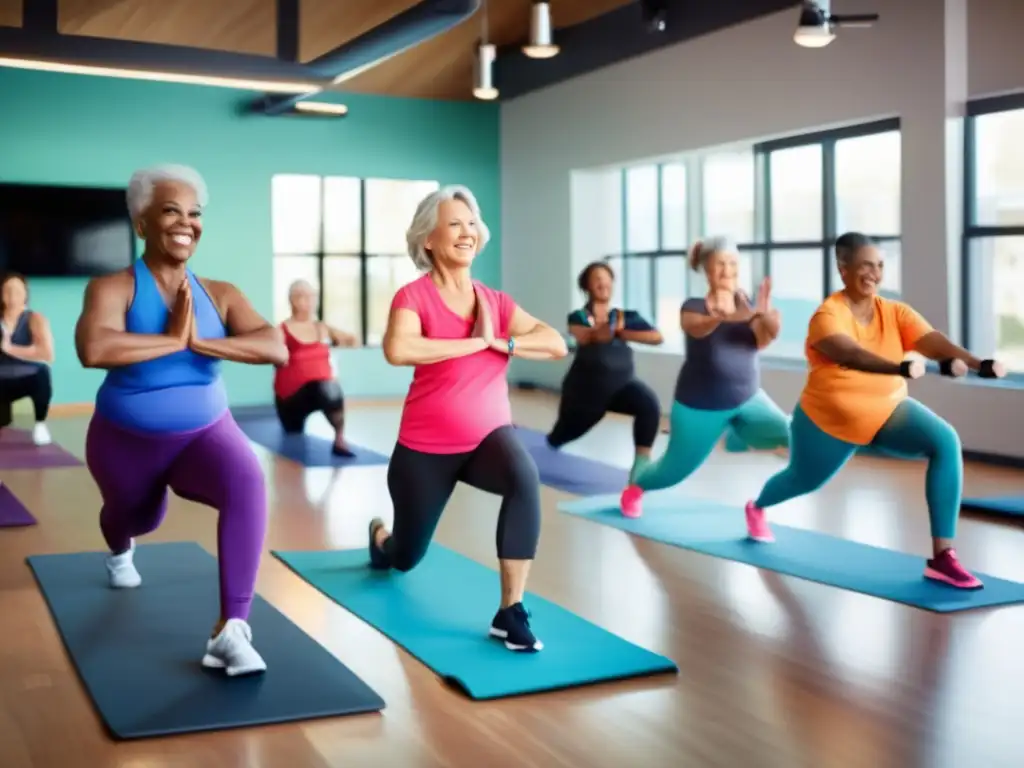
{"x": 50, "y": 231}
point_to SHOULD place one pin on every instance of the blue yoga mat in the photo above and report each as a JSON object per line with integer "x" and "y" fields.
{"x": 440, "y": 613}
{"x": 569, "y": 473}
{"x": 309, "y": 450}
{"x": 721, "y": 531}
{"x": 138, "y": 651}
{"x": 1007, "y": 506}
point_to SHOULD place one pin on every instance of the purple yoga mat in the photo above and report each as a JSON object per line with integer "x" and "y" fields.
{"x": 12, "y": 512}
{"x": 17, "y": 451}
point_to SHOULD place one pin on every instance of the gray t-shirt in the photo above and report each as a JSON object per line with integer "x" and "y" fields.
{"x": 21, "y": 335}
{"x": 720, "y": 371}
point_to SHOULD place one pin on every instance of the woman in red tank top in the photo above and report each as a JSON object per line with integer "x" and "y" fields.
{"x": 306, "y": 383}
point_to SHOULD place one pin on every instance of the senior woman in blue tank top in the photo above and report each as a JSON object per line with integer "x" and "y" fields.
{"x": 162, "y": 418}
{"x": 719, "y": 385}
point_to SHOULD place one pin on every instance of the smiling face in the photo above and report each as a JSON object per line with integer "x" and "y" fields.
{"x": 454, "y": 240}
{"x": 172, "y": 224}
{"x": 862, "y": 274}
{"x": 14, "y": 295}
{"x": 600, "y": 284}
{"x": 721, "y": 269}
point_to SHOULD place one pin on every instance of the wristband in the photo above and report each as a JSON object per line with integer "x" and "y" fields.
{"x": 946, "y": 367}
{"x": 905, "y": 368}
{"x": 511, "y": 346}
{"x": 987, "y": 369}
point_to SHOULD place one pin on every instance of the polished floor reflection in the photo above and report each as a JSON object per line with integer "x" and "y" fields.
{"x": 775, "y": 672}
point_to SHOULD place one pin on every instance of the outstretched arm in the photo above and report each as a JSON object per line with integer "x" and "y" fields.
{"x": 844, "y": 351}
{"x": 766, "y": 327}
{"x": 405, "y": 344}
{"x": 41, "y": 348}
{"x": 251, "y": 339}
{"x": 935, "y": 346}
{"x": 340, "y": 338}
{"x": 532, "y": 339}
{"x": 101, "y": 340}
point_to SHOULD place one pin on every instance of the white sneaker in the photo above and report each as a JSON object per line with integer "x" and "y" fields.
{"x": 122, "y": 571}
{"x": 232, "y": 651}
{"x": 41, "y": 434}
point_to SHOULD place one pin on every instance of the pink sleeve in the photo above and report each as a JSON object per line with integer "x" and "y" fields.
{"x": 404, "y": 299}
{"x": 506, "y": 308}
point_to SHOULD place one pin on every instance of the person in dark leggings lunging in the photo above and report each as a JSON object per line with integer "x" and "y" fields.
{"x": 26, "y": 350}
{"x": 306, "y": 383}
{"x": 457, "y": 419}
{"x": 602, "y": 379}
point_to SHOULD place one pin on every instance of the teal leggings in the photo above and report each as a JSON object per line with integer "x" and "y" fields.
{"x": 693, "y": 434}
{"x": 913, "y": 431}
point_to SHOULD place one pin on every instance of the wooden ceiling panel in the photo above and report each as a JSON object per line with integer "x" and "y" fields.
{"x": 326, "y": 24}
{"x": 239, "y": 26}
{"x": 443, "y": 68}
{"x": 10, "y": 13}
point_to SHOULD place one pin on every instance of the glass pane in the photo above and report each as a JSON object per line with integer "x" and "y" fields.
{"x": 295, "y": 213}
{"x": 642, "y": 208}
{"x": 638, "y": 286}
{"x": 999, "y": 174}
{"x": 996, "y": 308}
{"x": 796, "y": 196}
{"x": 288, "y": 269}
{"x": 390, "y": 205}
{"x": 343, "y": 216}
{"x": 341, "y": 307}
{"x": 892, "y": 284}
{"x": 616, "y": 264}
{"x": 729, "y": 195}
{"x": 385, "y": 275}
{"x": 674, "y": 208}
{"x": 797, "y": 280}
{"x": 868, "y": 174}
{"x": 670, "y": 273}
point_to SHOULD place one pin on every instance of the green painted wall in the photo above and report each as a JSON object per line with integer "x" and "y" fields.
{"x": 67, "y": 129}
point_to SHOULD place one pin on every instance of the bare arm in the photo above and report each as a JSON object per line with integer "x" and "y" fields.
{"x": 844, "y": 351}
{"x": 646, "y": 334}
{"x": 766, "y": 327}
{"x": 404, "y": 343}
{"x": 533, "y": 339}
{"x": 935, "y": 346}
{"x": 41, "y": 348}
{"x": 698, "y": 325}
{"x": 101, "y": 340}
{"x": 251, "y": 339}
{"x": 340, "y": 338}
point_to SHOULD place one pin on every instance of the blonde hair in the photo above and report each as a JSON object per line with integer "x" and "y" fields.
{"x": 703, "y": 250}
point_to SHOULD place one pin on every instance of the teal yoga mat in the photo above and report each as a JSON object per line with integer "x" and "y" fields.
{"x": 1004, "y": 506}
{"x": 138, "y": 651}
{"x": 720, "y": 531}
{"x": 440, "y": 613}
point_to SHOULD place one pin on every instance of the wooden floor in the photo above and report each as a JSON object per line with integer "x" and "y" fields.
{"x": 775, "y": 672}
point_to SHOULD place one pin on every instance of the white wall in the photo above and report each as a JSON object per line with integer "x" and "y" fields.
{"x": 751, "y": 82}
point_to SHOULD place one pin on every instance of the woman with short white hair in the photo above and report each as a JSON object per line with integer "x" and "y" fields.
{"x": 162, "y": 418}
{"x": 456, "y": 425}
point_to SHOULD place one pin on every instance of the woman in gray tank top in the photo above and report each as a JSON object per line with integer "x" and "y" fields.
{"x": 719, "y": 385}
{"x": 26, "y": 351}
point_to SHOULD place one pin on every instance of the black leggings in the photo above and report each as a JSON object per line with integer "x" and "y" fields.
{"x": 421, "y": 484}
{"x": 635, "y": 399}
{"x": 324, "y": 396}
{"x": 36, "y": 386}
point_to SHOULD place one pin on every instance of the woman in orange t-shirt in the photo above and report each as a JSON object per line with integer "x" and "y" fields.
{"x": 856, "y": 395}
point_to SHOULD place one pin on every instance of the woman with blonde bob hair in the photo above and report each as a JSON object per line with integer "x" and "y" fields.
{"x": 459, "y": 335}
{"x": 719, "y": 385}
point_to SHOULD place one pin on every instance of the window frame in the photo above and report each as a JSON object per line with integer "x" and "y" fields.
{"x": 972, "y": 231}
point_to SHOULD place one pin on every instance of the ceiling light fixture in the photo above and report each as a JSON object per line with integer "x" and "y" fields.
{"x": 484, "y": 88}
{"x": 541, "y": 45}
{"x": 817, "y": 24}
{"x": 321, "y": 108}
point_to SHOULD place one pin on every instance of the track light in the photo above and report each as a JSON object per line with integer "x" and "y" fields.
{"x": 817, "y": 24}
{"x": 541, "y": 45}
{"x": 484, "y": 89}
{"x": 655, "y": 14}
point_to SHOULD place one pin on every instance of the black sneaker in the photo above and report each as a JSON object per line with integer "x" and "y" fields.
{"x": 512, "y": 625}
{"x": 377, "y": 558}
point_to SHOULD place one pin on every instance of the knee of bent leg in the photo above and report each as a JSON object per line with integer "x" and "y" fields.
{"x": 405, "y": 558}
{"x": 943, "y": 439}
{"x": 524, "y": 477}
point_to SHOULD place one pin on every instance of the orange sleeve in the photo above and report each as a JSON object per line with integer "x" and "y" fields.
{"x": 825, "y": 323}
{"x": 912, "y": 325}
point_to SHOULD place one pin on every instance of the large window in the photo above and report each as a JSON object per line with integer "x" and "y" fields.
{"x": 994, "y": 231}
{"x": 346, "y": 237}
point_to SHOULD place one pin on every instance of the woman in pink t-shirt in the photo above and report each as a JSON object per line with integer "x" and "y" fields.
{"x": 457, "y": 421}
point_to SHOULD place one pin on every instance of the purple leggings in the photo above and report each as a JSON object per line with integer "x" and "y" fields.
{"x": 214, "y": 466}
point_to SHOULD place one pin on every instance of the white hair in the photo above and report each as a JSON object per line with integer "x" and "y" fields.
{"x": 140, "y": 187}
{"x": 299, "y": 285}
{"x": 704, "y": 249}
{"x": 424, "y": 221}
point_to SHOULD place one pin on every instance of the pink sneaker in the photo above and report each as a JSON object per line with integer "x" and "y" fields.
{"x": 757, "y": 526}
{"x": 947, "y": 569}
{"x": 631, "y": 501}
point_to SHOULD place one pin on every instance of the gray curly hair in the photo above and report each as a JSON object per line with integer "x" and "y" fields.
{"x": 142, "y": 183}
{"x": 424, "y": 221}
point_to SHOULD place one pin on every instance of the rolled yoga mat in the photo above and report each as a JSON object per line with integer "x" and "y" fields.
{"x": 720, "y": 531}
{"x": 17, "y": 451}
{"x": 1003, "y": 506}
{"x": 138, "y": 651}
{"x": 440, "y": 613}
{"x": 13, "y": 514}
{"x": 567, "y": 472}
{"x": 309, "y": 450}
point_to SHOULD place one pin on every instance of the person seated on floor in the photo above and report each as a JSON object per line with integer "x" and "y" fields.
{"x": 306, "y": 383}
{"x": 26, "y": 352}
{"x": 162, "y": 419}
